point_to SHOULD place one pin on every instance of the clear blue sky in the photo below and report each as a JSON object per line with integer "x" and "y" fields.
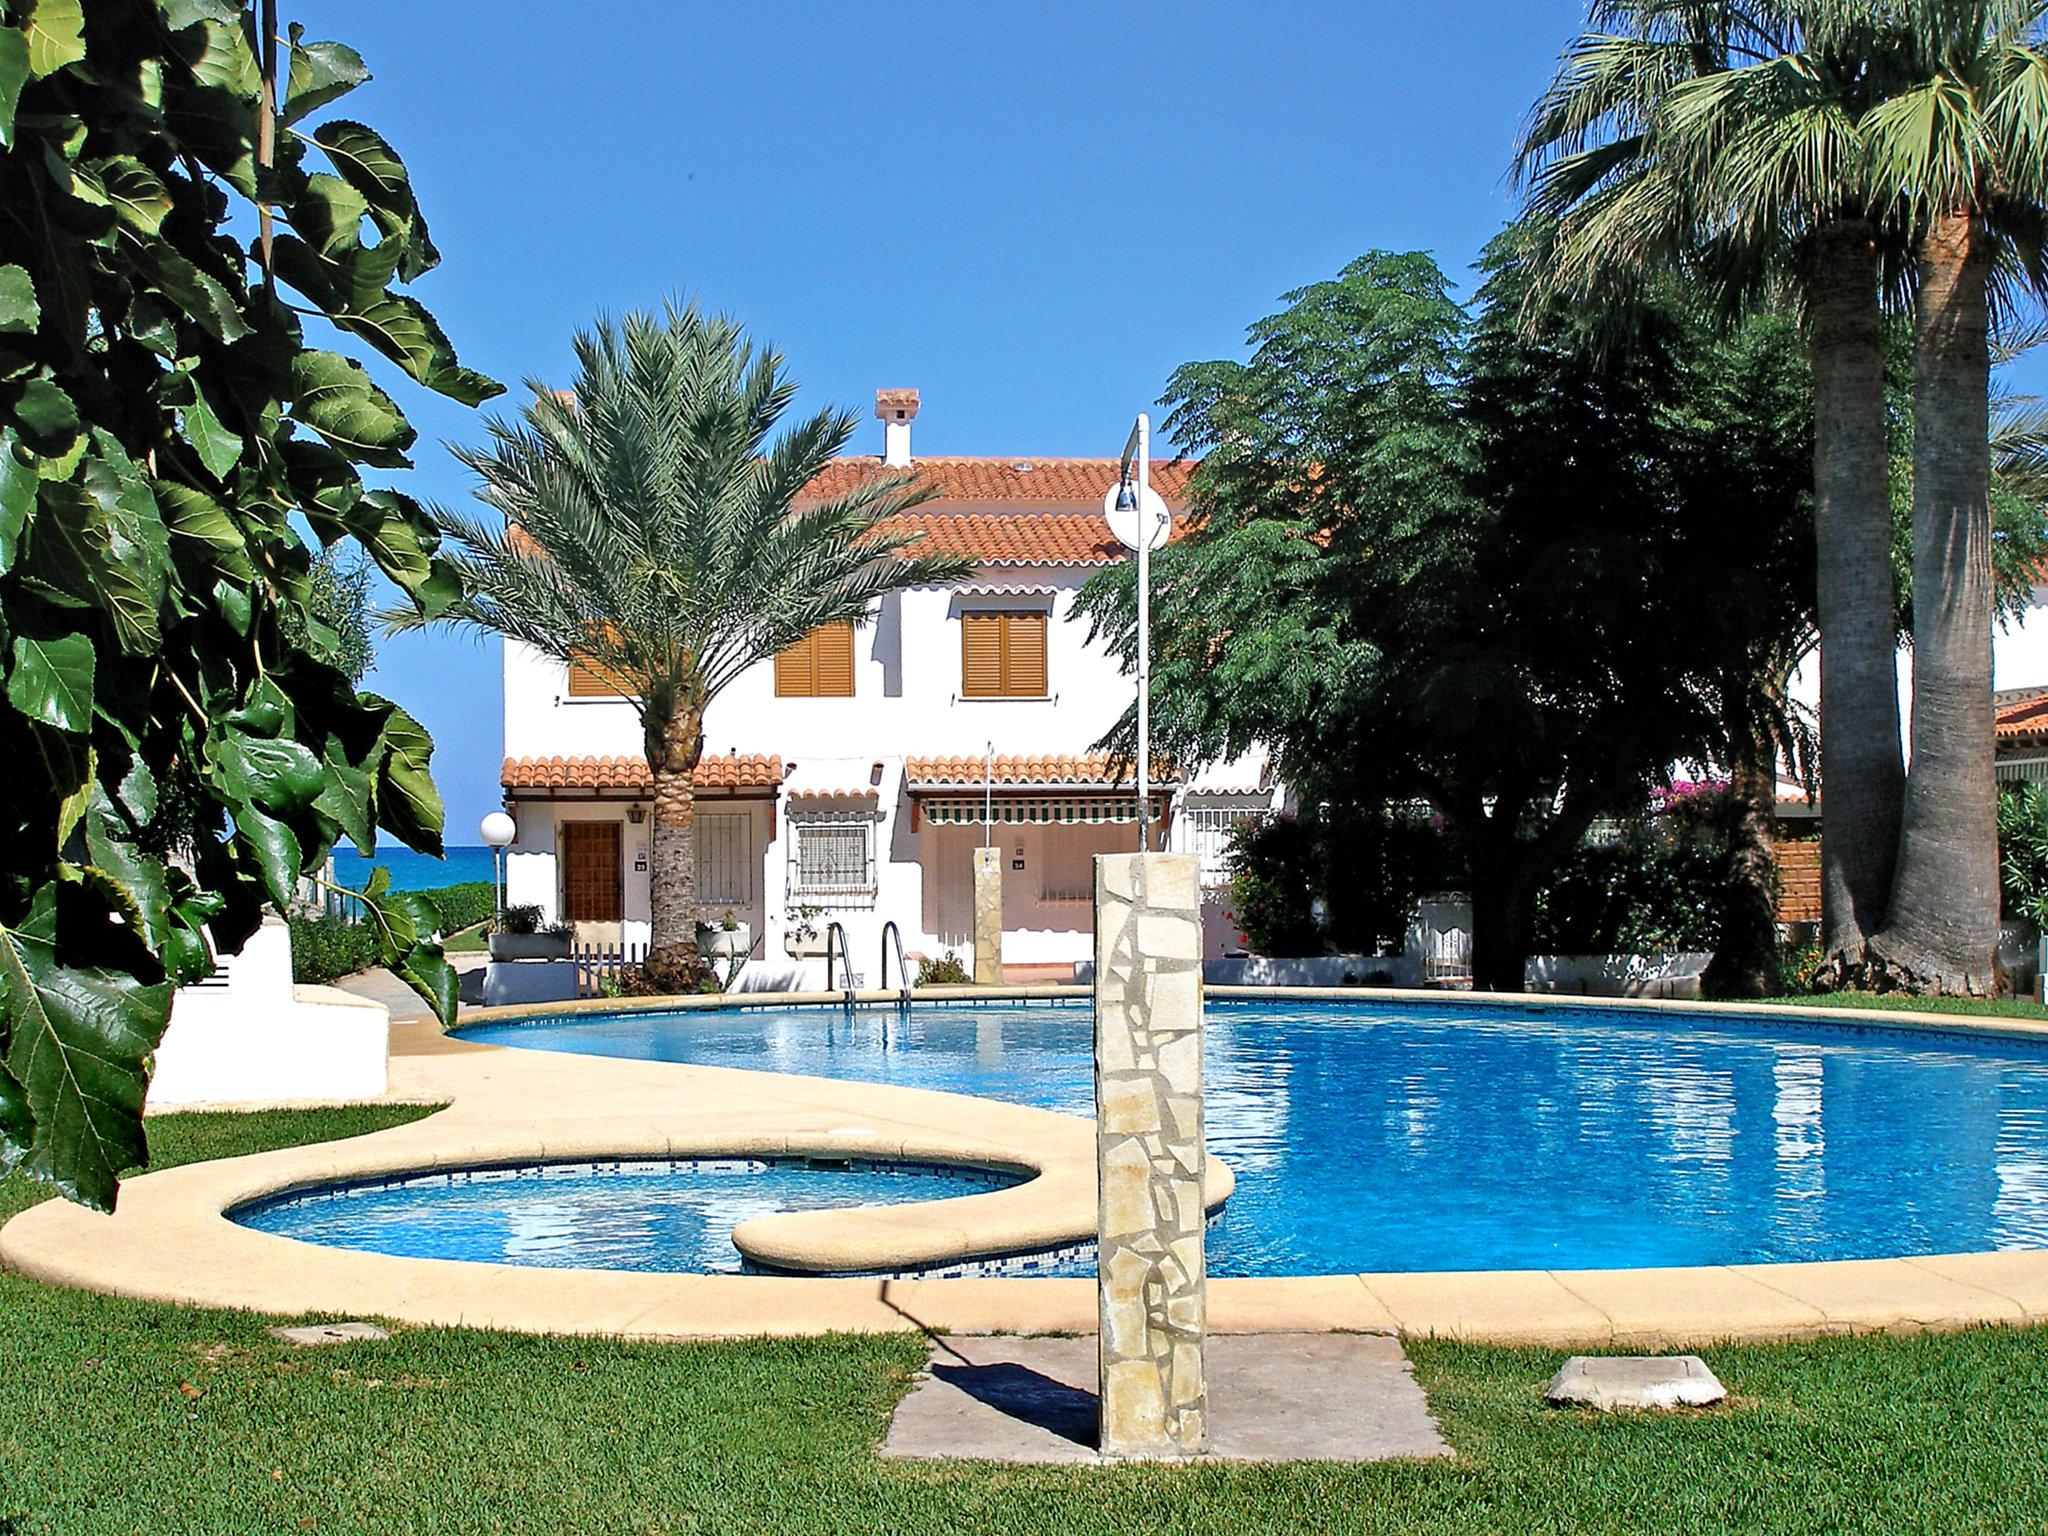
{"x": 1031, "y": 213}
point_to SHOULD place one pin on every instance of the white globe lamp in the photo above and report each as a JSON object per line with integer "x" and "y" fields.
{"x": 498, "y": 832}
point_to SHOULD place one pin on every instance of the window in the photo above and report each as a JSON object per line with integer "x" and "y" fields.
{"x": 1210, "y": 829}
{"x": 1066, "y": 863}
{"x": 819, "y": 666}
{"x": 725, "y": 858}
{"x": 1002, "y": 656}
{"x": 591, "y": 680}
{"x": 832, "y": 863}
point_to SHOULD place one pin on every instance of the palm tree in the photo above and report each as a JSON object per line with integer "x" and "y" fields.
{"x": 653, "y": 532}
{"x": 1726, "y": 140}
{"x": 1961, "y": 141}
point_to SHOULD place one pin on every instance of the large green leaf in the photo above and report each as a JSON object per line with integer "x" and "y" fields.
{"x": 134, "y": 880}
{"x": 51, "y": 681}
{"x": 334, "y": 396}
{"x": 273, "y": 848}
{"x": 217, "y": 447}
{"x": 408, "y": 804}
{"x": 19, "y": 312}
{"x": 13, "y": 76}
{"x": 17, "y": 1124}
{"x": 17, "y": 497}
{"x": 279, "y": 774}
{"x": 373, "y": 168}
{"x": 400, "y": 328}
{"x": 199, "y": 294}
{"x": 82, "y": 1035}
{"x": 195, "y": 516}
{"x": 56, "y": 35}
{"x": 135, "y": 192}
{"x": 320, "y": 73}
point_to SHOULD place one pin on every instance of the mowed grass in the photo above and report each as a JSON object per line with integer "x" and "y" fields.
{"x": 121, "y": 1418}
{"x": 2003, "y": 1007}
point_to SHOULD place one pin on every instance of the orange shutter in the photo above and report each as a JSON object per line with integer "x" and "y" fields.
{"x": 1024, "y": 672}
{"x": 588, "y": 680}
{"x": 819, "y": 666}
{"x": 981, "y": 655}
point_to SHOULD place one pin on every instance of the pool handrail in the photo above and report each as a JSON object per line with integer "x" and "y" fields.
{"x": 835, "y": 939}
{"x": 891, "y": 931}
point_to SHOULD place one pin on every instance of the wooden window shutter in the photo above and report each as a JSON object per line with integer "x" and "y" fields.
{"x": 819, "y": 666}
{"x": 981, "y": 655}
{"x": 589, "y": 680}
{"x": 1024, "y": 670}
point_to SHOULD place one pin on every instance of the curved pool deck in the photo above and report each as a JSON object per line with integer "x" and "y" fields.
{"x": 171, "y": 1241}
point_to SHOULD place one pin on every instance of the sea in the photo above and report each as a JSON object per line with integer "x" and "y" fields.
{"x": 412, "y": 871}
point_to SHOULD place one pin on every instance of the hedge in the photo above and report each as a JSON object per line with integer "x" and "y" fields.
{"x": 327, "y": 948}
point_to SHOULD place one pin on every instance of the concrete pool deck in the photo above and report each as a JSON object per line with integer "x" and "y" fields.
{"x": 171, "y": 1242}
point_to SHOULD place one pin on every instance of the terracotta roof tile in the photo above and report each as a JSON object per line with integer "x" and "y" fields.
{"x": 1059, "y": 482}
{"x": 2023, "y": 715}
{"x": 632, "y": 773}
{"x": 1096, "y": 770}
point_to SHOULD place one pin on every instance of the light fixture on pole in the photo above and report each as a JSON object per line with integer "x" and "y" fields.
{"x": 498, "y": 830}
{"x": 1138, "y": 518}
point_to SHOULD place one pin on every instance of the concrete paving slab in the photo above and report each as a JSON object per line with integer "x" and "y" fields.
{"x": 1272, "y": 1397}
{"x": 312, "y": 1335}
{"x": 1609, "y": 1382}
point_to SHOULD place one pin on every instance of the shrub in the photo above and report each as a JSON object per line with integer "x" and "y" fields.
{"x": 326, "y": 948}
{"x": 1367, "y": 866}
{"x": 946, "y": 971}
{"x": 520, "y": 920}
{"x": 1655, "y": 886}
{"x": 2023, "y": 852}
{"x": 462, "y": 906}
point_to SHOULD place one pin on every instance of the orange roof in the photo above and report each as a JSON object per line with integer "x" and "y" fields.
{"x": 2023, "y": 717}
{"x": 1055, "y": 482}
{"x": 1094, "y": 769}
{"x": 632, "y": 773}
{"x": 1013, "y": 538}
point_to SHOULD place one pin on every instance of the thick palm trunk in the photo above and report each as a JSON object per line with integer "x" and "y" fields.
{"x": 1943, "y": 932}
{"x": 1741, "y": 966}
{"x": 1861, "y": 772}
{"x": 673, "y": 964}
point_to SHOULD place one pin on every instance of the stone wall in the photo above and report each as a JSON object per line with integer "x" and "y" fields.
{"x": 1148, "y": 1091}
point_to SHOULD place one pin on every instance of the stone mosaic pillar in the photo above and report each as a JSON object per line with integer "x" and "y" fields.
{"x": 1148, "y": 1103}
{"x": 988, "y": 917}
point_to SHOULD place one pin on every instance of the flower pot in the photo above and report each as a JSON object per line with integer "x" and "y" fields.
{"x": 716, "y": 942}
{"x": 529, "y": 946}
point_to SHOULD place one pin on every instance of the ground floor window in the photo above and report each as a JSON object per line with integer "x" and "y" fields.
{"x": 725, "y": 858}
{"x": 1209, "y": 831}
{"x": 1067, "y": 867}
{"x": 832, "y": 862}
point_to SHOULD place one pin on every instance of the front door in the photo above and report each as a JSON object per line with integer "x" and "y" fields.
{"x": 592, "y": 872}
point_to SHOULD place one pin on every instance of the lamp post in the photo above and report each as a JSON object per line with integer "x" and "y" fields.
{"x": 1137, "y": 516}
{"x": 498, "y": 830}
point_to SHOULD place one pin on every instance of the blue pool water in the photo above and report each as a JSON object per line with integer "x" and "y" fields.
{"x": 664, "y": 1214}
{"x": 1371, "y": 1136}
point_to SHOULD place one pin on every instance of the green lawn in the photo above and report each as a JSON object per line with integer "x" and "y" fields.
{"x": 120, "y": 1417}
{"x": 467, "y": 941}
{"x": 2005, "y": 1007}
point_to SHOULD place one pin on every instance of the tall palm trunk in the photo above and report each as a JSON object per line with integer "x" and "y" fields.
{"x": 673, "y": 964}
{"x": 1943, "y": 932}
{"x": 1861, "y": 771}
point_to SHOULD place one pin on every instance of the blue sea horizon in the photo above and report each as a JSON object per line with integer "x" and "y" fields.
{"x": 412, "y": 871}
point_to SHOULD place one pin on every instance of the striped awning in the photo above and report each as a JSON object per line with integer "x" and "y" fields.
{"x": 1014, "y": 810}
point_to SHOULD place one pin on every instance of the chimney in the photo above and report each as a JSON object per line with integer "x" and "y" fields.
{"x": 897, "y": 408}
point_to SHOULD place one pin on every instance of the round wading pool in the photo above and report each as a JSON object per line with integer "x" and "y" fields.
{"x": 1373, "y": 1135}
{"x": 655, "y": 1214}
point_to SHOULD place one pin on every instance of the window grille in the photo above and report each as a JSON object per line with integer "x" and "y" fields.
{"x": 1210, "y": 829}
{"x": 1067, "y": 864}
{"x": 725, "y": 859}
{"x": 832, "y": 863}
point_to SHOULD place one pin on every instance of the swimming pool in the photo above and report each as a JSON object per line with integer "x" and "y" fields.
{"x": 660, "y": 1214}
{"x": 1373, "y": 1136}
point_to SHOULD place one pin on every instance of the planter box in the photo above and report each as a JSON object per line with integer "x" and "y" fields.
{"x": 529, "y": 981}
{"x": 1667, "y": 973}
{"x": 719, "y": 943}
{"x": 529, "y": 946}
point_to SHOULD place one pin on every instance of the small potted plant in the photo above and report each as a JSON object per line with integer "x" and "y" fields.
{"x": 800, "y": 930}
{"x": 517, "y": 934}
{"x": 724, "y": 938}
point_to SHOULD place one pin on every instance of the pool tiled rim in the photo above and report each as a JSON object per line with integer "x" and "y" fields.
{"x": 171, "y": 1242}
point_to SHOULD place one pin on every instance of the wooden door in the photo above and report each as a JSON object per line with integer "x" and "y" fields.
{"x": 592, "y": 873}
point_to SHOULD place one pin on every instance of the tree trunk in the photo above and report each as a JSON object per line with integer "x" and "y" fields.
{"x": 673, "y": 964}
{"x": 1942, "y": 936}
{"x": 1503, "y": 919}
{"x": 1861, "y": 772}
{"x": 1743, "y": 956}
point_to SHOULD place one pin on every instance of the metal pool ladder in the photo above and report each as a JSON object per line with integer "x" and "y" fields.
{"x": 890, "y": 933}
{"x": 835, "y": 943}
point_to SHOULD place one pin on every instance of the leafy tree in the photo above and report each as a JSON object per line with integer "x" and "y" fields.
{"x": 1726, "y": 141}
{"x": 175, "y": 759}
{"x": 652, "y": 531}
{"x": 1439, "y": 561}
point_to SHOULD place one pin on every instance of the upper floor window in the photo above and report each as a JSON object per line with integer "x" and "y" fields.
{"x": 1002, "y": 656}
{"x": 819, "y": 666}
{"x": 590, "y": 680}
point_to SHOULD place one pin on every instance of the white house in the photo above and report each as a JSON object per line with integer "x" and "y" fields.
{"x": 849, "y": 779}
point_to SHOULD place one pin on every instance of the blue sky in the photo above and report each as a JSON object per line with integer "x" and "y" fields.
{"x": 1031, "y": 213}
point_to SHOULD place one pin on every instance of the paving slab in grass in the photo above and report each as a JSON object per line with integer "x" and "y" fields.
{"x": 1272, "y": 1397}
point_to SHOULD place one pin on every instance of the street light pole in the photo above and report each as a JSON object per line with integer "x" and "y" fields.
{"x": 1138, "y": 456}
